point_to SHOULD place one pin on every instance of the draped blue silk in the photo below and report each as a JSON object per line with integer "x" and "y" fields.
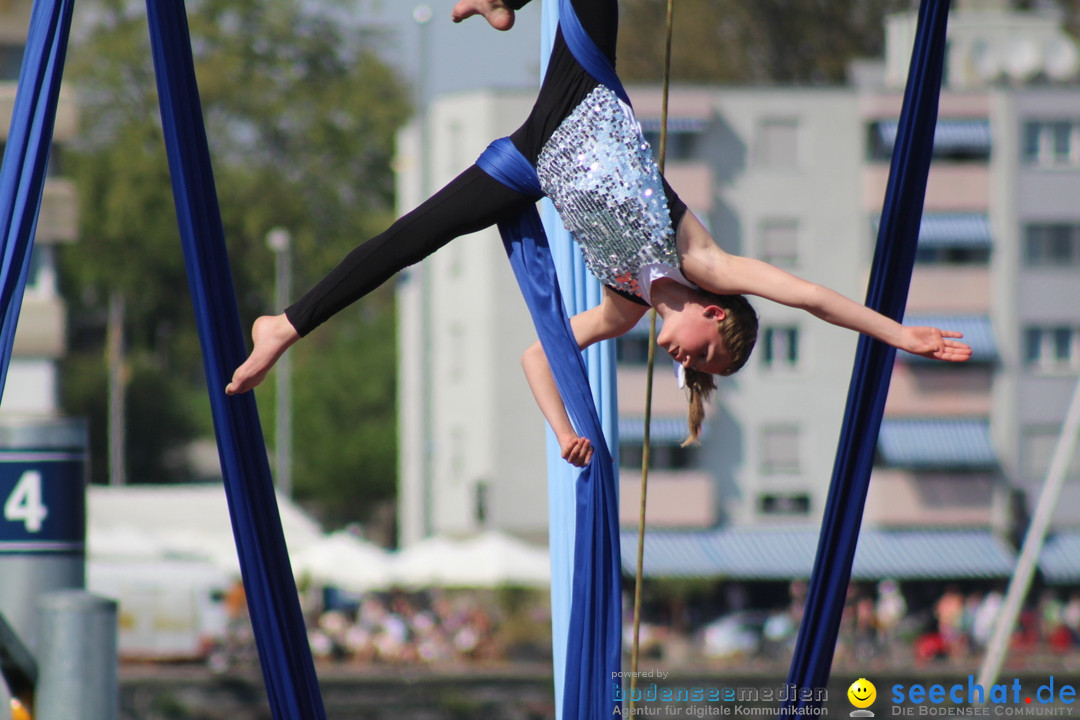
{"x": 26, "y": 158}
{"x": 273, "y": 602}
{"x": 586, "y": 600}
{"x": 890, "y": 279}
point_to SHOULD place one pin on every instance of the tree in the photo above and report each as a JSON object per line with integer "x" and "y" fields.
{"x": 301, "y": 117}
{"x": 752, "y": 41}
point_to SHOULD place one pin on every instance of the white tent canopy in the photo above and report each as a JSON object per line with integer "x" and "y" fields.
{"x": 156, "y": 522}
{"x": 487, "y": 560}
{"x": 183, "y": 521}
{"x": 344, "y": 561}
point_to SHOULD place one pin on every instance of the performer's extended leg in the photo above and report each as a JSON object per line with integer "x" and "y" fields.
{"x": 470, "y": 202}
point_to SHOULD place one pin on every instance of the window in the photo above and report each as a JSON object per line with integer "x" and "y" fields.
{"x": 1052, "y": 143}
{"x": 480, "y": 506}
{"x": 784, "y": 504}
{"x": 663, "y": 455}
{"x": 41, "y": 275}
{"x": 955, "y": 140}
{"x": 681, "y": 145}
{"x": 780, "y": 450}
{"x": 952, "y": 255}
{"x": 10, "y": 61}
{"x": 1052, "y": 348}
{"x": 779, "y": 242}
{"x": 780, "y": 347}
{"x": 777, "y": 146}
{"x": 1037, "y": 451}
{"x": 1052, "y": 244}
{"x": 633, "y": 349}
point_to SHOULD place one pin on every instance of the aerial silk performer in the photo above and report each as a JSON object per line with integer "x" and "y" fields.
{"x": 890, "y": 278}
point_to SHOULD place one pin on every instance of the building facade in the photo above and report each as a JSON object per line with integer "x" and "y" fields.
{"x": 31, "y": 388}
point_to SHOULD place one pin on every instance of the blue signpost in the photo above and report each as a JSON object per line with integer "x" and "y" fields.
{"x": 43, "y": 471}
{"x": 44, "y": 501}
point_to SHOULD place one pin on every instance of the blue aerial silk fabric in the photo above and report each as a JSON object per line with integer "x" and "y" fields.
{"x": 587, "y": 640}
{"x": 581, "y": 291}
{"x": 288, "y": 669}
{"x": 26, "y": 157}
{"x": 890, "y": 279}
{"x": 594, "y": 634}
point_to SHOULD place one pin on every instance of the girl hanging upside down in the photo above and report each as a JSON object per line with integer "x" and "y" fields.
{"x": 636, "y": 235}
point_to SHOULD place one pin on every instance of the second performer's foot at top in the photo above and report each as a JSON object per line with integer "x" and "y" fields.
{"x": 498, "y": 15}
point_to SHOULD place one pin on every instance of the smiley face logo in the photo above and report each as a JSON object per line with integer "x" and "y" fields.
{"x": 862, "y": 693}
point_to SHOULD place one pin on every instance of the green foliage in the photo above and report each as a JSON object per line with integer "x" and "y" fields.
{"x": 751, "y": 41}
{"x": 348, "y": 450}
{"x": 301, "y": 117}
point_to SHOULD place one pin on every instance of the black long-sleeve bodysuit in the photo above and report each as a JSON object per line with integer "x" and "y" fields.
{"x": 473, "y": 200}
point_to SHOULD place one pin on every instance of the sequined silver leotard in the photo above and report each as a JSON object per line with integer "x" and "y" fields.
{"x": 600, "y": 174}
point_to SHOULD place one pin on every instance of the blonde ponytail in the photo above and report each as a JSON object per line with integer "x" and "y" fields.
{"x": 699, "y": 388}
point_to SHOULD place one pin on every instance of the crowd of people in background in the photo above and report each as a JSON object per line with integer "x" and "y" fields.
{"x": 402, "y": 629}
{"x": 883, "y": 625}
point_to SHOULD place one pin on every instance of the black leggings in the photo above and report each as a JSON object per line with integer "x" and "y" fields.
{"x": 472, "y": 201}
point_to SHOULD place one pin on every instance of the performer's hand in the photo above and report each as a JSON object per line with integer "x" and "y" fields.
{"x": 576, "y": 450}
{"x": 936, "y": 344}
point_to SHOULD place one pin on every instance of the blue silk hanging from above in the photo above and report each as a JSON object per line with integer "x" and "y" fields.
{"x": 890, "y": 278}
{"x": 288, "y": 669}
{"x": 594, "y": 635}
{"x": 26, "y": 157}
{"x": 588, "y": 635}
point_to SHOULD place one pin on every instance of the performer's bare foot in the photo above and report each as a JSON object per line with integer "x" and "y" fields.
{"x": 495, "y": 12}
{"x": 271, "y": 335}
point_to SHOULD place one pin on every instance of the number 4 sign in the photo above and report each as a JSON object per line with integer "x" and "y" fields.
{"x": 25, "y": 503}
{"x": 42, "y": 502}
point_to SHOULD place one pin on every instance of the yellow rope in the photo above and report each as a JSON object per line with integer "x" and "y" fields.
{"x": 649, "y": 382}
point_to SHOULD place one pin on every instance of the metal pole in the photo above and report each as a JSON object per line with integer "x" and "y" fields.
{"x": 422, "y": 16}
{"x": 117, "y": 381}
{"x": 1033, "y": 543}
{"x": 77, "y": 659}
{"x": 280, "y": 241}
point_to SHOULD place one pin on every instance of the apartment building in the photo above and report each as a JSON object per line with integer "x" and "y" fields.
{"x": 31, "y": 389}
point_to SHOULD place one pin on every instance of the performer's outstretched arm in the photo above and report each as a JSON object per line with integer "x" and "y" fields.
{"x": 613, "y": 317}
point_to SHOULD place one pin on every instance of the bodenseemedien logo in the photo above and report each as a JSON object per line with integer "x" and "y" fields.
{"x": 862, "y": 695}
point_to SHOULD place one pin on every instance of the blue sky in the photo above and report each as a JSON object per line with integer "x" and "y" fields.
{"x": 461, "y": 56}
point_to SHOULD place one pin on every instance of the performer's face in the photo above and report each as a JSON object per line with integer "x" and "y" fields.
{"x": 691, "y": 337}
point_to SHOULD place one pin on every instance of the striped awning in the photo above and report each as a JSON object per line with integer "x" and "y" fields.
{"x": 787, "y": 553}
{"x": 674, "y": 124}
{"x": 937, "y": 443}
{"x": 1059, "y": 560}
{"x": 671, "y": 554}
{"x": 932, "y": 555}
{"x": 951, "y": 230}
{"x": 661, "y": 429}
{"x": 950, "y": 135}
{"x": 976, "y": 329}
{"x": 777, "y": 553}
